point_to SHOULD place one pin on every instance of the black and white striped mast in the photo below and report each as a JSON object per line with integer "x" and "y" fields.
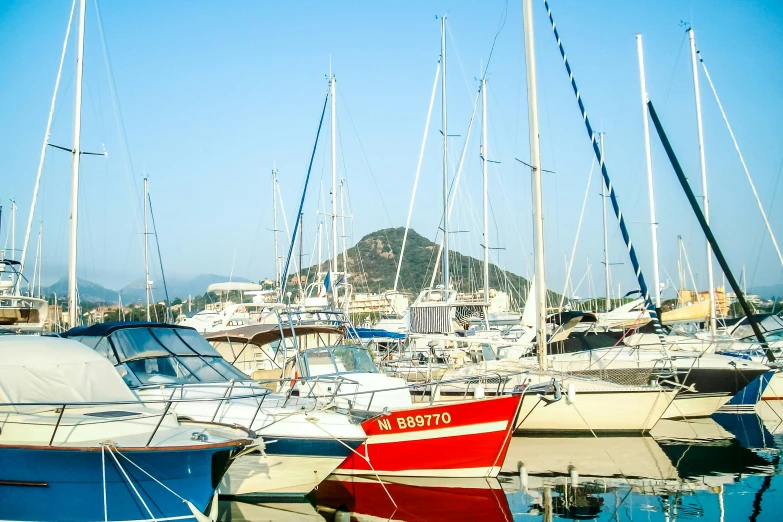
{"x": 535, "y": 164}
{"x": 610, "y": 188}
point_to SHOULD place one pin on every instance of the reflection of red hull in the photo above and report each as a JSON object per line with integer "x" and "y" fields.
{"x": 450, "y": 499}
{"x": 456, "y": 439}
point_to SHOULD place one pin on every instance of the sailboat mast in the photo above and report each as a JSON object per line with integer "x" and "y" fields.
{"x": 650, "y": 190}
{"x": 606, "y": 235}
{"x": 146, "y": 253}
{"x": 45, "y": 144}
{"x": 703, "y": 164}
{"x": 333, "y": 256}
{"x": 274, "y": 232}
{"x": 345, "y": 253}
{"x": 484, "y": 153}
{"x": 13, "y": 229}
{"x": 73, "y": 304}
{"x": 538, "y": 204}
{"x": 445, "y": 258}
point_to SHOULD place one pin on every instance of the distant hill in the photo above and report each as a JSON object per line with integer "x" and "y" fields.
{"x": 88, "y": 291}
{"x": 178, "y": 287}
{"x": 372, "y": 264}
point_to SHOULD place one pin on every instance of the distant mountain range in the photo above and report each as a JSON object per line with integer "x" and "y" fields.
{"x": 372, "y": 265}
{"x": 134, "y": 292}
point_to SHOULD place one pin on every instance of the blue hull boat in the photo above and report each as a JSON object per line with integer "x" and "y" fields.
{"x": 67, "y": 484}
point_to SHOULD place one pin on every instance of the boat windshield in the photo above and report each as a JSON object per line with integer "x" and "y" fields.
{"x": 337, "y": 360}
{"x": 163, "y": 355}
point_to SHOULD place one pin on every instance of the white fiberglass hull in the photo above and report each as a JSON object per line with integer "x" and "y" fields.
{"x": 621, "y": 410}
{"x": 687, "y": 406}
{"x": 269, "y": 475}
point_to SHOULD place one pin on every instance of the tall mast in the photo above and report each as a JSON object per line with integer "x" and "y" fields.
{"x": 703, "y": 164}
{"x": 345, "y": 253}
{"x": 45, "y": 143}
{"x": 606, "y": 236}
{"x": 333, "y": 256}
{"x": 73, "y": 304}
{"x": 445, "y": 258}
{"x": 274, "y": 232}
{"x": 650, "y": 191}
{"x": 484, "y": 153}
{"x": 538, "y": 204}
{"x": 40, "y": 257}
{"x": 320, "y": 230}
{"x": 13, "y": 229}
{"x": 146, "y": 253}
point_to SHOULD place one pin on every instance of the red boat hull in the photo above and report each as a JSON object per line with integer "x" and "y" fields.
{"x": 423, "y": 500}
{"x": 456, "y": 439}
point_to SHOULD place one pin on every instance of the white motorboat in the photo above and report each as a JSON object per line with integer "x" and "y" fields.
{"x": 303, "y": 443}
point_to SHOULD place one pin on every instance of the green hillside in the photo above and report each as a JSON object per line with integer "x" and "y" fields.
{"x": 372, "y": 264}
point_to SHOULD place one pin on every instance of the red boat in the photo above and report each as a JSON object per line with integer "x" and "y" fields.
{"x": 415, "y": 499}
{"x": 456, "y": 439}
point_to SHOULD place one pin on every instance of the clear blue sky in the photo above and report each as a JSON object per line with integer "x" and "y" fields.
{"x": 213, "y": 94}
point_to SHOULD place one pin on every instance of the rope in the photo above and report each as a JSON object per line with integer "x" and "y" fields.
{"x": 130, "y": 482}
{"x": 366, "y": 458}
{"x": 610, "y": 188}
{"x": 103, "y": 470}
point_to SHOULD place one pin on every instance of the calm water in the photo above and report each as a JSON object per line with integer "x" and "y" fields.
{"x": 723, "y": 468}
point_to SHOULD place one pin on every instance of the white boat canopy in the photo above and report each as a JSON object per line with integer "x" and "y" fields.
{"x": 49, "y": 370}
{"x": 234, "y": 286}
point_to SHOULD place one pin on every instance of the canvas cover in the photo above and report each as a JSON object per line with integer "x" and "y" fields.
{"x": 36, "y": 369}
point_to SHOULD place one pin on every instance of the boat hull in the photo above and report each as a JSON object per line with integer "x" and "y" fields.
{"x": 620, "y": 411}
{"x": 288, "y": 467}
{"x": 452, "y": 439}
{"x": 65, "y": 484}
{"x": 415, "y": 499}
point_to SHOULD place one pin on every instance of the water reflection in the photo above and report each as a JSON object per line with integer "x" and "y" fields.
{"x": 722, "y": 468}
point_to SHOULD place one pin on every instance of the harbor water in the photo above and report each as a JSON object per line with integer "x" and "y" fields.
{"x": 724, "y": 468}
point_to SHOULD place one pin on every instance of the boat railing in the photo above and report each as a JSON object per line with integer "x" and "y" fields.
{"x": 433, "y": 386}
{"x": 60, "y": 407}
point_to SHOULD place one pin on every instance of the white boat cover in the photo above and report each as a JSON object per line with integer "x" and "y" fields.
{"x": 53, "y": 370}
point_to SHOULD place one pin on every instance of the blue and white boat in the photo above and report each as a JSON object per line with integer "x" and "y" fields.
{"x": 304, "y": 443}
{"x": 76, "y": 444}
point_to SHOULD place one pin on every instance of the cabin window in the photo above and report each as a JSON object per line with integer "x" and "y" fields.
{"x": 197, "y": 343}
{"x": 202, "y": 369}
{"x": 351, "y": 359}
{"x": 161, "y": 370}
{"x": 137, "y": 342}
{"x": 171, "y": 341}
{"x": 319, "y": 362}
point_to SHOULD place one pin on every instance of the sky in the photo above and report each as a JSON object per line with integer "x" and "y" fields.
{"x": 207, "y": 97}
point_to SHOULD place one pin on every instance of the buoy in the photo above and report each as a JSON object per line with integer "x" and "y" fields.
{"x": 478, "y": 391}
{"x": 574, "y": 476}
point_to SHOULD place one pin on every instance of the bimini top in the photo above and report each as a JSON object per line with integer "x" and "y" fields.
{"x": 101, "y": 329}
{"x": 37, "y": 369}
{"x": 261, "y": 334}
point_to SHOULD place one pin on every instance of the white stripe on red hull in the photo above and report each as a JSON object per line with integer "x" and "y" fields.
{"x": 454, "y": 439}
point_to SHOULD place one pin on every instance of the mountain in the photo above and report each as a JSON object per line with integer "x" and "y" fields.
{"x": 177, "y": 286}
{"x": 90, "y": 292}
{"x": 372, "y": 264}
